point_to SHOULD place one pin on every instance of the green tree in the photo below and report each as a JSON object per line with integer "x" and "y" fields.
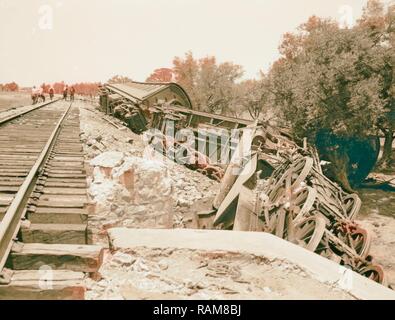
{"x": 378, "y": 24}
{"x": 251, "y": 96}
{"x": 327, "y": 79}
{"x": 119, "y": 79}
{"x": 161, "y": 75}
{"x": 210, "y": 85}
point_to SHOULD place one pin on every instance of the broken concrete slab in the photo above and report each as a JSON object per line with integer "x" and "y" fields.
{"x": 109, "y": 159}
{"x": 256, "y": 243}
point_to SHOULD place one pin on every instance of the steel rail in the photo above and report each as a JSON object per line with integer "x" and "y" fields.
{"x": 32, "y": 108}
{"x": 11, "y": 222}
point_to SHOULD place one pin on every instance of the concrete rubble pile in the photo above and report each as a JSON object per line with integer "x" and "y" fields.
{"x": 144, "y": 192}
{"x": 143, "y": 186}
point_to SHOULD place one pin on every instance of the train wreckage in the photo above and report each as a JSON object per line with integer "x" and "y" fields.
{"x": 268, "y": 183}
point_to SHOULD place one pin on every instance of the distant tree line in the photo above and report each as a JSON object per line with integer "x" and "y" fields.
{"x": 82, "y": 88}
{"x": 10, "y": 87}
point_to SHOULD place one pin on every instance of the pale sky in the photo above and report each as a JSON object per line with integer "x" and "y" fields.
{"x": 92, "y": 40}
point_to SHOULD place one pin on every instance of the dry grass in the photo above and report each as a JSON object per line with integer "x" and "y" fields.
{"x": 13, "y": 99}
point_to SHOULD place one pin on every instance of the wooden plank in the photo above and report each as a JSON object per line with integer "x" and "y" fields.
{"x": 9, "y": 189}
{"x": 13, "y": 174}
{"x": 67, "y": 159}
{"x": 14, "y": 164}
{"x": 67, "y": 171}
{"x": 65, "y": 191}
{"x": 6, "y": 199}
{"x": 66, "y": 164}
{"x": 55, "y": 233}
{"x": 54, "y": 184}
{"x": 245, "y": 210}
{"x": 58, "y": 215}
{"x": 16, "y": 157}
{"x": 64, "y": 198}
{"x": 61, "y": 204}
{"x": 17, "y": 150}
{"x": 67, "y": 180}
{"x": 32, "y": 256}
{"x": 41, "y": 285}
{"x": 15, "y": 170}
{"x": 224, "y": 214}
{"x": 65, "y": 175}
{"x": 11, "y": 181}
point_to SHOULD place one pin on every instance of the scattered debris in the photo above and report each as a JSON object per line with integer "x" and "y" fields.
{"x": 271, "y": 184}
{"x": 298, "y": 203}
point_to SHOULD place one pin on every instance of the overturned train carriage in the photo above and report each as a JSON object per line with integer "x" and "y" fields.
{"x": 268, "y": 182}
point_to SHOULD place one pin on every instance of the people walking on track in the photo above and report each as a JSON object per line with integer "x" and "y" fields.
{"x": 36, "y": 94}
{"x": 33, "y": 95}
{"x": 72, "y": 93}
{"x": 51, "y": 93}
{"x": 65, "y": 92}
{"x": 41, "y": 94}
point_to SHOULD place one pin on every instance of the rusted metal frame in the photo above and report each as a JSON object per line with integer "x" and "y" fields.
{"x": 190, "y": 119}
{"x": 342, "y": 246}
{"x": 343, "y": 243}
{"x": 330, "y": 183}
{"x": 11, "y": 222}
{"x": 112, "y": 123}
{"x": 329, "y": 204}
{"x": 209, "y": 116}
{"x": 217, "y": 124}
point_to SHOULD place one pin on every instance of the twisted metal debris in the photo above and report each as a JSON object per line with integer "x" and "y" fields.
{"x": 296, "y": 202}
{"x": 270, "y": 185}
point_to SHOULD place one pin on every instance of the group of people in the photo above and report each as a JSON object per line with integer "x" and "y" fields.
{"x": 68, "y": 91}
{"x": 38, "y": 94}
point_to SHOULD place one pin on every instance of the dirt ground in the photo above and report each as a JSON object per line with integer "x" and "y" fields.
{"x": 10, "y": 100}
{"x": 377, "y": 216}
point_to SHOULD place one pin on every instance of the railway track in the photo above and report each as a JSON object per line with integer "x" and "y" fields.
{"x": 45, "y": 245}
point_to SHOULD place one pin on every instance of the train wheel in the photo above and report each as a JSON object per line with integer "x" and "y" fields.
{"x": 295, "y": 174}
{"x": 352, "y": 204}
{"x": 375, "y": 272}
{"x": 302, "y": 202}
{"x": 360, "y": 241}
{"x": 307, "y": 233}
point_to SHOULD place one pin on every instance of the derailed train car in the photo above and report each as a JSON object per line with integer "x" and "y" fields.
{"x": 166, "y": 106}
{"x": 200, "y": 140}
